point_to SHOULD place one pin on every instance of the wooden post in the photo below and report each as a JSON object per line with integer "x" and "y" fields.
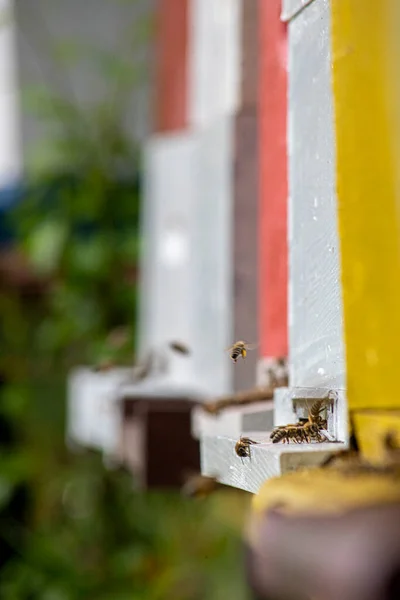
{"x": 273, "y": 255}
{"x": 170, "y": 102}
{"x": 246, "y": 199}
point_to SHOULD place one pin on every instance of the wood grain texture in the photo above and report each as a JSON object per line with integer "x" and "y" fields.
{"x": 315, "y": 299}
{"x": 268, "y": 460}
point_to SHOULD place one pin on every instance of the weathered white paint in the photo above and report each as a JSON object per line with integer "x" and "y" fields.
{"x": 186, "y": 270}
{"x": 234, "y": 421}
{"x": 167, "y": 301}
{"x": 94, "y": 417}
{"x": 10, "y": 147}
{"x": 268, "y": 460}
{"x": 291, "y": 404}
{"x": 212, "y": 262}
{"x": 214, "y": 59}
{"x": 315, "y": 306}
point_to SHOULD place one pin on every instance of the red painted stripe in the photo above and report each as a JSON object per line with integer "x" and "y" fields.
{"x": 172, "y": 20}
{"x": 273, "y": 252}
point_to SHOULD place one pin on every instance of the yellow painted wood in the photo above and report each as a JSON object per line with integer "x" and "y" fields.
{"x": 368, "y": 202}
{"x": 321, "y": 491}
{"x": 371, "y": 428}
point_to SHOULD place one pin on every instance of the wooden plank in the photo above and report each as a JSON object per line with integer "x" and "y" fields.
{"x": 246, "y": 205}
{"x": 268, "y": 460}
{"x": 250, "y": 53}
{"x": 214, "y": 60}
{"x": 171, "y": 85}
{"x": 10, "y": 147}
{"x": 368, "y": 198}
{"x": 158, "y": 430}
{"x": 245, "y": 243}
{"x": 273, "y": 255}
{"x": 315, "y": 304}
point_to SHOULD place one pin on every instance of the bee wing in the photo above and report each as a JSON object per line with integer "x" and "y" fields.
{"x": 251, "y": 346}
{"x": 249, "y": 441}
{"x": 328, "y": 436}
{"x": 229, "y": 349}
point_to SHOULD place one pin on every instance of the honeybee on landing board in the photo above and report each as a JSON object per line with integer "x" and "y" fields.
{"x": 240, "y": 349}
{"x": 303, "y": 431}
{"x": 285, "y": 433}
{"x": 242, "y": 447}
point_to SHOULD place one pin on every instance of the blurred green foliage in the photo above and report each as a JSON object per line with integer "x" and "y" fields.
{"x": 70, "y": 529}
{"x": 106, "y": 540}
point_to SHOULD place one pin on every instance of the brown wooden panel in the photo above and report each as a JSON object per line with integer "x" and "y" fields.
{"x": 171, "y": 450}
{"x": 167, "y": 448}
{"x": 250, "y": 53}
{"x": 245, "y": 246}
{"x": 171, "y": 65}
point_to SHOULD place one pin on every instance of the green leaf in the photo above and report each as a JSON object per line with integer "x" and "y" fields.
{"x": 91, "y": 257}
{"x": 46, "y": 244}
{"x": 14, "y": 399}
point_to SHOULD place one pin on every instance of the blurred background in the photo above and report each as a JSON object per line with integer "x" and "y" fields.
{"x": 91, "y": 112}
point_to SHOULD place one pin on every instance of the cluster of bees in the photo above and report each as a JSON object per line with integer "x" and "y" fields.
{"x": 305, "y": 430}
{"x": 313, "y": 428}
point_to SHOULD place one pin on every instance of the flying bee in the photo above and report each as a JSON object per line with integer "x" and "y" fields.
{"x": 152, "y": 363}
{"x": 179, "y": 347}
{"x": 240, "y": 349}
{"x": 143, "y": 368}
{"x": 242, "y": 447}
